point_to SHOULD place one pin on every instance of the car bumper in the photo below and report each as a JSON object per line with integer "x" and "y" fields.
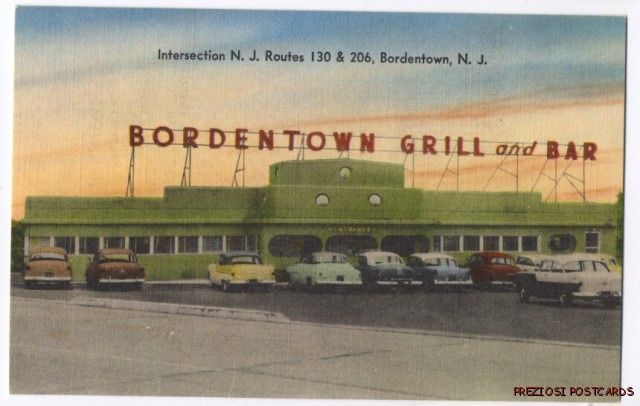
{"x": 459, "y": 283}
{"x": 47, "y": 278}
{"x": 399, "y": 282}
{"x": 125, "y": 280}
{"x": 252, "y": 282}
{"x": 597, "y": 296}
{"x": 339, "y": 283}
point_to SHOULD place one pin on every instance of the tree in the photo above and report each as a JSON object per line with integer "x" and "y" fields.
{"x": 620, "y": 226}
{"x": 17, "y": 246}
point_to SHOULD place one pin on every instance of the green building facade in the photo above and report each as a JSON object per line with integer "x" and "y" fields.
{"x": 335, "y": 205}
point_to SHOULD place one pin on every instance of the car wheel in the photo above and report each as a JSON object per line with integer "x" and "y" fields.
{"x": 28, "y": 285}
{"x": 610, "y": 303}
{"x": 525, "y": 295}
{"x": 428, "y": 284}
{"x": 225, "y": 286}
{"x": 311, "y": 287}
{"x": 565, "y": 299}
{"x": 138, "y": 286}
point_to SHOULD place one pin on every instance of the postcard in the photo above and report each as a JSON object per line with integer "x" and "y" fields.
{"x": 327, "y": 204}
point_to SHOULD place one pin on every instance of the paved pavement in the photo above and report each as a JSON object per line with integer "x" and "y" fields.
{"x": 60, "y": 348}
{"x": 496, "y": 313}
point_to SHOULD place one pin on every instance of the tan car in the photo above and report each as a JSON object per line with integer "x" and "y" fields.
{"x": 47, "y": 265}
{"x": 114, "y": 266}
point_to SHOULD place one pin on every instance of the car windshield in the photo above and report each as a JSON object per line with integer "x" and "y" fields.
{"x": 387, "y": 259}
{"x": 552, "y": 266}
{"x": 525, "y": 261}
{"x": 241, "y": 259}
{"x": 123, "y": 257}
{"x": 48, "y": 256}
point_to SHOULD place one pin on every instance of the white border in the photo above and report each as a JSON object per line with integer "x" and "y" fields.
{"x": 631, "y": 9}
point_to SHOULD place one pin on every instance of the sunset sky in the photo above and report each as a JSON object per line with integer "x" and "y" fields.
{"x": 84, "y": 75}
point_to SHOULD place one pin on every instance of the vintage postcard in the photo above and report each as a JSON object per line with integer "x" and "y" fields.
{"x": 318, "y": 204}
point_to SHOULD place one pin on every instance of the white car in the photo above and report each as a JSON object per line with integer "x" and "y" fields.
{"x": 529, "y": 261}
{"x": 573, "y": 276}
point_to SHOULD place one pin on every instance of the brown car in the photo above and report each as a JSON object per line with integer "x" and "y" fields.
{"x": 114, "y": 266}
{"x": 491, "y": 267}
{"x": 47, "y": 265}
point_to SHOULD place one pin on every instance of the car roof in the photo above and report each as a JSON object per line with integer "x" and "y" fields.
{"x": 370, "y": 254}
{"x": 532, "y": 255}
{"x": 493, "y": 254}
{"x": 428, "y": 255}
{"x": 107, "y": 251}
{"x": 47, "y": 248}
{"x": 576, "y": 256}
{"x": 327, "y": 253}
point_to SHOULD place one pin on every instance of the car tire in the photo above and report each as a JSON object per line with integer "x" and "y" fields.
{"x": 609, "y": 303}
{"x": 565, "y": 299}
{"x": 525, "y": 294}
{"x": 428, "y": 284}
{"x": 225, "y": 286}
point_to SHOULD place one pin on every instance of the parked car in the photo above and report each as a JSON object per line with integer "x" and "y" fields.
{"x": 612, "y": 262}
{"x": 529, "y": 261}
{"x": 384, "y": 268}
{"x": 47, "y": 265}
{"x": 573, "y": 276}
{"x": 491, "y": 267}
{"x": 323, "y": 269}
{"x": 439, "y": 267}
{"x": 114, "y": 266}
{"x": 241, "y": 268}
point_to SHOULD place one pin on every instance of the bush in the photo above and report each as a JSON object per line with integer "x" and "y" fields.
{"x": 17, "y": 246}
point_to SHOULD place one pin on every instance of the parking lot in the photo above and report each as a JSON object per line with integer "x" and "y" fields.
{"x": 496, "y": 312}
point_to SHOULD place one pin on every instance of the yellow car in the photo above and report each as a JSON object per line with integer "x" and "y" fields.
{"x": 241, "y": 269}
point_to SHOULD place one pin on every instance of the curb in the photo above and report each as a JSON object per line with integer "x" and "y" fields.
{"x": 181, "y": 309}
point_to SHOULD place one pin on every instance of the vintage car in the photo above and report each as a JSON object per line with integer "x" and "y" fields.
{"x": 114, "y": 266}
{"x": 573, "y": 276}
{"x": 529, "y": 261}
{"x": 47, "y": 265}
{"x": 491, "y": 267}
{"x": 241, "y": 268}
{"x": 384, "y": 268}
{"x": 323, "y": 269}
{"x": 612, "y": 262}
{"x": 442, "y": 268}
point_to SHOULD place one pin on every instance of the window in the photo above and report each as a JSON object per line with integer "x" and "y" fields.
{"x": 405, "y": 245}
{"x": 592, "y": 241}
{"x": 294, "y": 245}
{"x": 140, "y": 245}
{"x": 375, "y": 200}
{"x": 491, "y": 243}
{"x": 351, "y": 244}
{"x": 451, "y": 243}
{"x": 252, "y": 243}
{"x": 529, "y": 243}
{"x": 68, "y": 243}
{"x": 114, "y": 242}
{"x": 37, "y": 241}
{"x": 164, "y": 245}
{"x": 562, "y": 243}
{"x": 211, "y": 244}
{"x": 345, "y": 172}
{"x": 89, "y": 245}
{"x": 525, "y": 261}
{"x": 437, "y": 243}
{"x": 188, "y": 245}
{"x": 471, "y": 243}
{"x": 236, "y": 243}
{"x": 510, "y": 243}
{"x": 600, "y": 267}
{"x": 322, "y": 200}
{"x": 573, "y": 266}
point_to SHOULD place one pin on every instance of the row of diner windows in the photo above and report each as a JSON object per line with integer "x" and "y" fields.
{"x": 296, "y": 245}
{"x": 151, "y": 245}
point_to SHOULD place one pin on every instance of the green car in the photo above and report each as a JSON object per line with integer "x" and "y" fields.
{"x": 323, "y": 269}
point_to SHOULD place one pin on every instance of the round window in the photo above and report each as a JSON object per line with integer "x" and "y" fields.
{"x": 345, "y": 172}
{"x": 322, "y": 199}
{"x": 375, "y": 199}
{"x": 562, "y": 243}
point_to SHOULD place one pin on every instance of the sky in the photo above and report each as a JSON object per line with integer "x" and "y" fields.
{"x": 84, "y": 75}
